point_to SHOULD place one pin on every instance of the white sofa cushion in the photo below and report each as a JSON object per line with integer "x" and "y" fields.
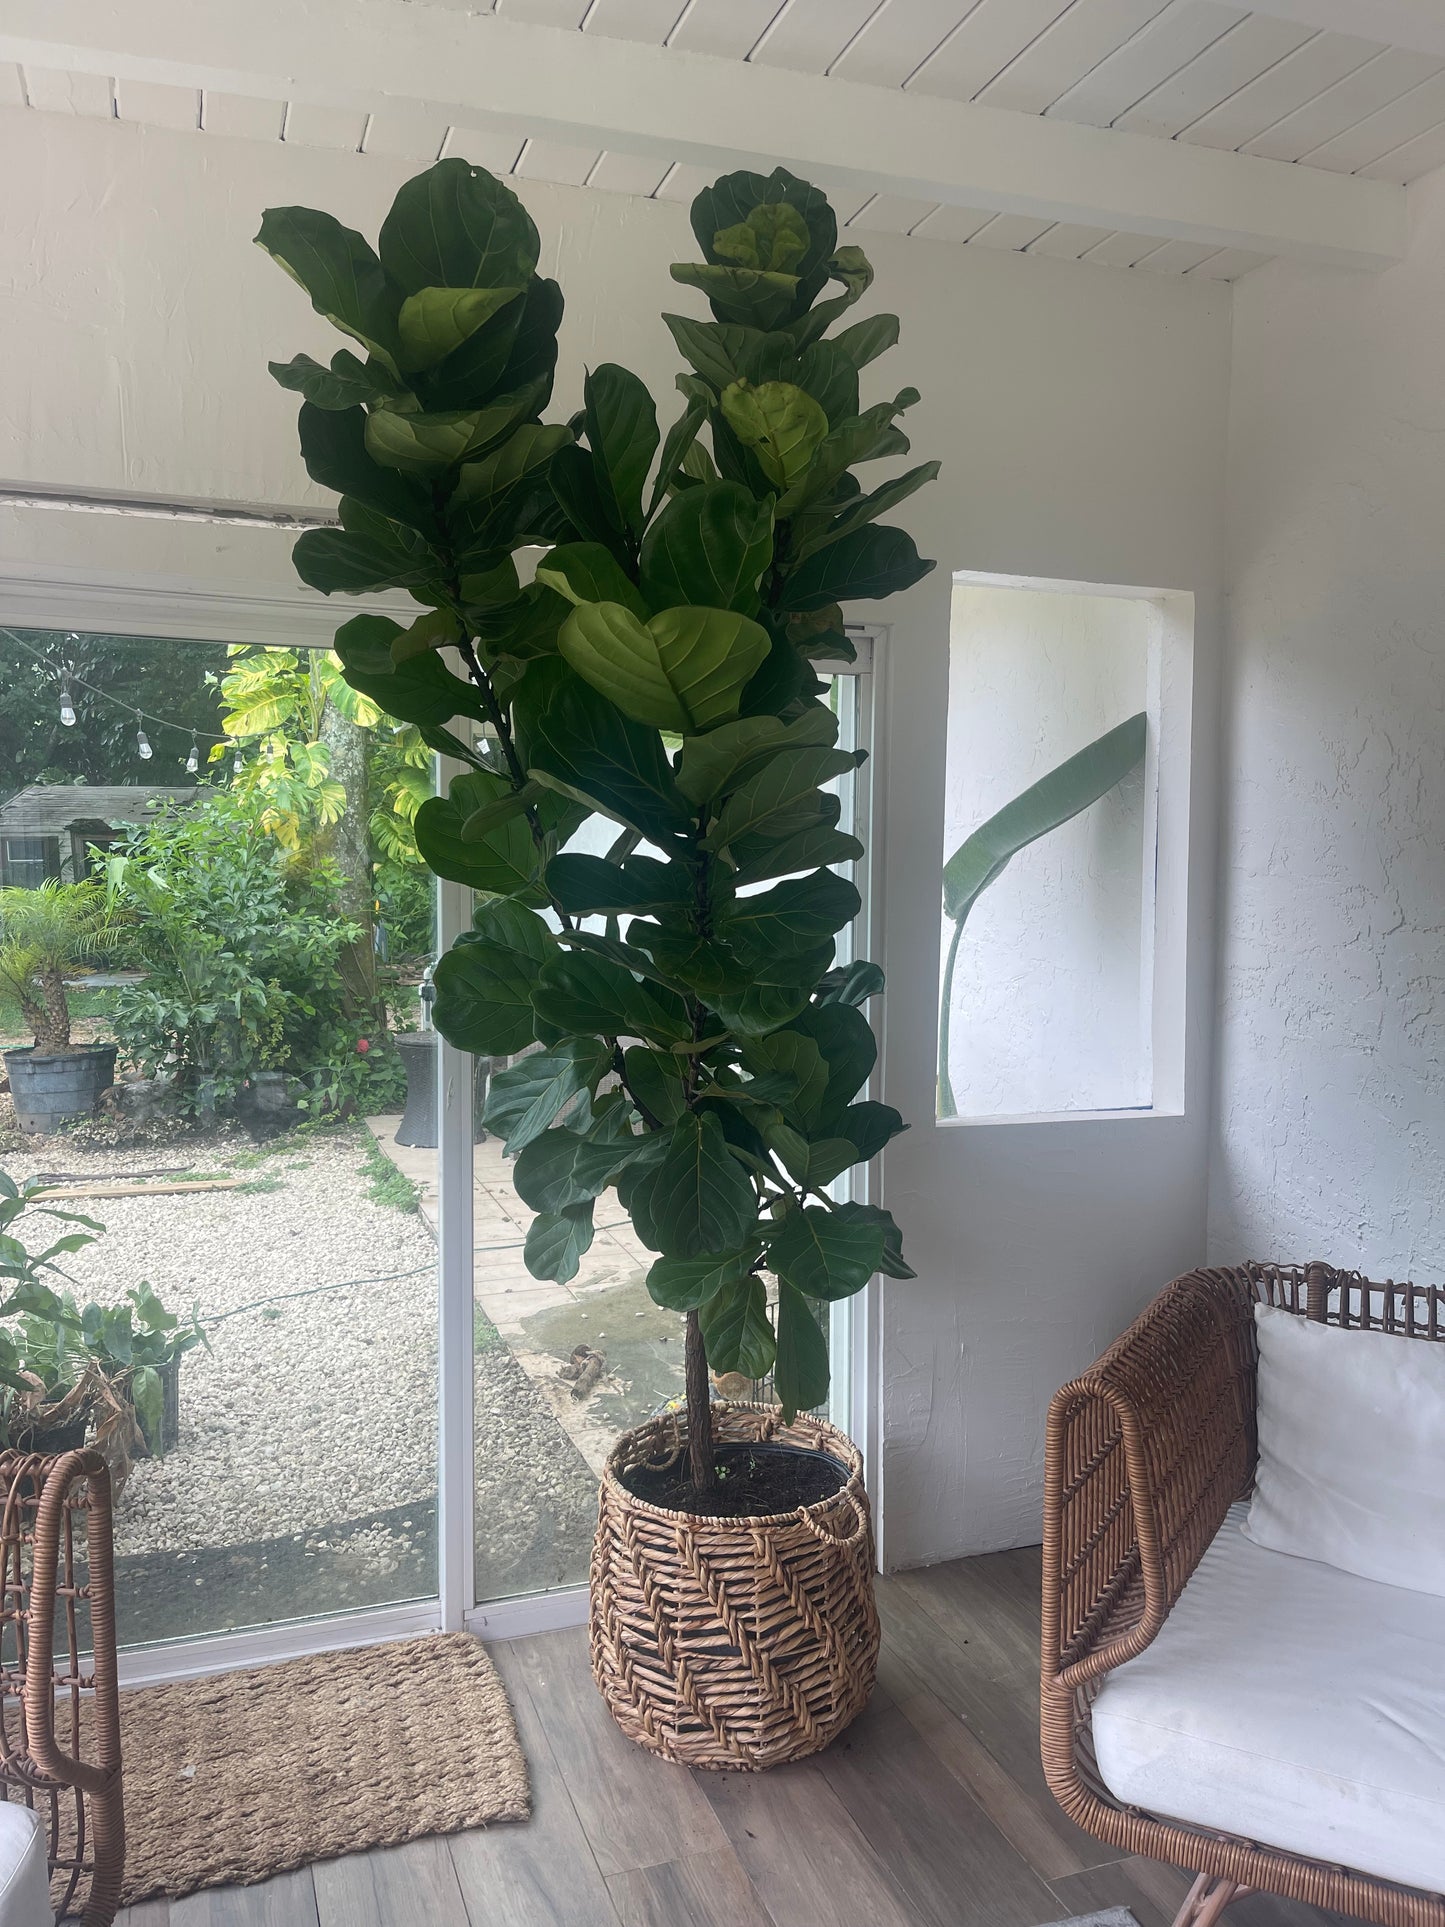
{"x": 1351, "y": 1450}
{"x": 24, "y": 1870}
{"x": 1294, "y": 1704}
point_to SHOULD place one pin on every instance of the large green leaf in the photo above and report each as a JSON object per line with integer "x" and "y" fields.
{"x": 457, "y": 226}
{"x": 776, "y": 991}
{"x": 563, "y": 1168}
{"x": 779, "y": 796}
{"x": 678, "y": 443}
{"x": 711, "y": 765}
{"x": 757, "y": 297}
{"x": 656, "y": 1080}
{"x": 866, "y": 508}
{"x": 796, "y": 915}
{"x": 849, "y": 1049}
{"x": 866, "y": 340}
{"x": 557, "y": 1241}
{"x": 587, "y": 885}
{"x": 1067, "y": 790}
{"x": 587, "y": 572}
{"x": 781, "y": 423}
{"x": 827, "y": 1254}
{"x": 684, "y": 1284}
{"x": 800, "y": 1372}
{"x": 525, "y": 1099}
{"x": 808, "y": 841}
{"x": 484, "y": 982}
{"x": 789, "y": 1070}
{"x": 584, "y": 744}
{"x": 868, "y": 564}
{"x": 869, "y": 1126}
{"x": 347, "y": 383}
{"x": 422, "y": 690}
{"x": 742, "y": 196}
{"x": 694, "y": 1197}
{"x": 735, "y": 1329}
{"x": 337, "y": 268}
{"x": 435, "y": 321}
{"x": 709, "y": 546}
{"x": 773, "y": 236}
{"x": 683, "y": 670}
{"x": 372, "y": 553}
{"x": 503, "y": 860}
{"x": 577, "y": 991}
{"x": 622, "y": 433}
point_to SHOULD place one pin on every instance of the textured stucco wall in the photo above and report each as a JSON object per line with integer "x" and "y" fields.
{"x": 1080, "y": 417}
{"x": 1330, "y": 1136}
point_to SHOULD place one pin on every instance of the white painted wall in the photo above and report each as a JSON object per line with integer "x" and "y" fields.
{"x": 1331, "y": 1114}
{"x": 1080, "y": 416}
{"x": 1051, "y": 984}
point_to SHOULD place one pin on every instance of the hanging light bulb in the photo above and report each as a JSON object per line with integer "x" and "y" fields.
{"x": 236, "y": 763}
{"x": 67, "y": 707}
{"x": 142, "y": 741}
{"x": 193, "y": 761}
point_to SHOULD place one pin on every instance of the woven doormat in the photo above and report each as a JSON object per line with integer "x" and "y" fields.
{"x": 1115, "y": 1917}
{"x": 250, "y": 1774}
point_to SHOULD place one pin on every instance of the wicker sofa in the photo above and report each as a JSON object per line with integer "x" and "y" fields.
{"x": 1146, "y": 1454}
{"x": 59, "y": 1704}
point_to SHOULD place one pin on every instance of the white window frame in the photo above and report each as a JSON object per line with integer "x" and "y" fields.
{"x": 61, "y": 598}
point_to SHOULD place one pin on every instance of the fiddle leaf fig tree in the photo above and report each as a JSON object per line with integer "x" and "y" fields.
{"x": 701, "y": 1052}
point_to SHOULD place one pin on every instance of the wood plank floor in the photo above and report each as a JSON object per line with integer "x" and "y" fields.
{"x": 931, "y": 1812}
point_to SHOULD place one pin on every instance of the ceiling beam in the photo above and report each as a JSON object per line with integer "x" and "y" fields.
{"x": 1418, "y": 25}
{"x": 505, "y": 75}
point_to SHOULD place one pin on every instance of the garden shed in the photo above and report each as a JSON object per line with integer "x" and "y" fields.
{"x": 771, "y": 1037}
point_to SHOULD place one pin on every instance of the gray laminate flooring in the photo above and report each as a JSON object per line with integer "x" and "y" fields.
{"x": 930, "y": 1812}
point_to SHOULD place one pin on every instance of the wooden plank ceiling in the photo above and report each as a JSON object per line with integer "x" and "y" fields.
{"x": 1194, "y": 71}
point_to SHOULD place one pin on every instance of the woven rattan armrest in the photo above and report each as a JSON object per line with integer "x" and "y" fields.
{"x": 1145, "y": 1454}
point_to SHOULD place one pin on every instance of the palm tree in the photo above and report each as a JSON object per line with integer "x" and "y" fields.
{"x": 43, "y": 934}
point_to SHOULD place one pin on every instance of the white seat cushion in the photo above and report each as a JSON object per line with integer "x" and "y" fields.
{"x": 24, "y": 1871}
{"x": 1291, "y": 1703}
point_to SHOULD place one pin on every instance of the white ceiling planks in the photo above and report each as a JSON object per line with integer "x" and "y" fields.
{"x": 628, "y": 174}
{"x": 1283, "y": 88}
{"x": 1078, "y": 40}
{"x": 60, "y": 91}
{"x": 155, "y": 103}
{"x": 541, "y": 13}
{"x": 311, "y": 123}
{"x": 891, "y": 214}
{"x": 1233, "y": 61}
{"x": 897, "y": 40}
{"x": 809, "y": 35}
{"x": 1405, "y": 119}
{"x": 646, "y": 20}
{"x": 731, "y": 28}
{"x": 1153, "y": 55}
{"x": 1175, "y": 257}
{"x": 556, "y": 161}
{"x": 1068, "y": 240}
{"x": 953, "y": 224}
{"x": 1351, "y": 100}
{"x": 1011, "y": 232}
{"x": 995, "y": 33}
{"x": 1408, "y": 163}
{"x": 244, "y": 117}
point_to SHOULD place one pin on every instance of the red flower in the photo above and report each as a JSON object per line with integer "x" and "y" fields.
{"x": 362, "y": 1046}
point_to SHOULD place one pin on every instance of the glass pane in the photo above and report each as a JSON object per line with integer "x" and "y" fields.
{"x": 271, "y": 926}
{"x": 561, "y": 1370}
{"x": 1045, "y": 971}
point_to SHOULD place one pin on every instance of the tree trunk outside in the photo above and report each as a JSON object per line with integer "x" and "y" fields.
{"x": 699, "y": 1409}
{"x": 348, "y": 845}
{"x": 52, "y": 1031}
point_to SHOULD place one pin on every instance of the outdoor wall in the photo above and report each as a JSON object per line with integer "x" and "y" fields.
{"x": 1050, "y": 1006}
{"x": 1331, "y": 1110}
{"x": 1079, "y": 413}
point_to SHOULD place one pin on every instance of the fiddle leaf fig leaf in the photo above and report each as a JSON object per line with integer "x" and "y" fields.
{"x": 655, "y": 1079}
{"x": 589, "y": 749}
{"x": 530, "y": 1095}
{"x": 347, "y": 383}
{"x": 685, "y": 1284}
{"x": 588, "y": 572}
{"x": 562, "y": 1168}
{"x": 502, "y": 858}
{"x": 684, "y": 670}
{"x": 557, "y": 1242}
{"x": 827, "y": 1254}
{"x": 724, "y": 758}
{"x": 709, "y": 546}
{"x": 420, "y": 690}
{"x": 800, "y": 1371}
{"x": 578, "y": 992}
{"x": 484, "y": 982}
{"x": 457, "y": 226}
{"x": 434, "y": 321}
{"x": 587, "y": 885}
{"x": 773, "y": 236}
{"x": 781, "y": 423}
{"x": 621, "y": 421}
{"x": 869, "y": 562}
{"x": 736, "y": 1331}
{"x": 695, "y": 1197}
{"x": 344, "y": 278}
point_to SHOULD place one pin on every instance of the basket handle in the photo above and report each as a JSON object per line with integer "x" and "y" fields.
{"x": 843, "y": 1540}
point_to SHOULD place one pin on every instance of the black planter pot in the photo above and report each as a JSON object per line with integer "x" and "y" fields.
{"x": 50, "y": 1087}
{"x": 420, "y": 1052}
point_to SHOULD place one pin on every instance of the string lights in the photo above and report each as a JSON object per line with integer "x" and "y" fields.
{"x": 142, "y": 741}
{"x": 193, "y": 761}
{"x": 70, "y": 681}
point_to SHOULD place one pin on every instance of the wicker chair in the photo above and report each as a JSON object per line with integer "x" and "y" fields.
{"x": 1145, "y": 1454}
{"x": 59, "y": 1711}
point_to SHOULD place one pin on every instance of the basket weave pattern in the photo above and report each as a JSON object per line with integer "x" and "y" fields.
{"x": 738, "y": 1643}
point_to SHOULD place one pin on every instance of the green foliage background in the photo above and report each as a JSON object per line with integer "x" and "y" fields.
{"x": 700, "y": 1052}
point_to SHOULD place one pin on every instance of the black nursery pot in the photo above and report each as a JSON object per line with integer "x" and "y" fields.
{"x": 51, "y": 1087}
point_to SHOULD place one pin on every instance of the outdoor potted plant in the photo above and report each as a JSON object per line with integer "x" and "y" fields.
{"x": 45, "y": 934}
{"x": 700, "y": 1051}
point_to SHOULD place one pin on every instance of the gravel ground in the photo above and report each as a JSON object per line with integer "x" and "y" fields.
{"x": 305, "y": 1411}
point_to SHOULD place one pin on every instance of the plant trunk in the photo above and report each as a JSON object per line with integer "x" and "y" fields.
{"x": 699, "y": 1409}
{"x": 348, "y": 845}
{"x": 51, "y": 1017}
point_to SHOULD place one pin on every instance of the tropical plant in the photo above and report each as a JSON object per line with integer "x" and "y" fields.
{"x": 46, "y": 933}
{"x": 126, "y": 1346}
{"x": 700, "y": 1051}
{"x": 983, "y": 856}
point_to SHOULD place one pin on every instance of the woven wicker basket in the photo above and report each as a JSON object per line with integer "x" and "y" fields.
{"x": 736, "y": 1643}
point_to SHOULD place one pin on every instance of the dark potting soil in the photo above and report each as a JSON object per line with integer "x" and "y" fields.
{"x": 751, "y": 1479}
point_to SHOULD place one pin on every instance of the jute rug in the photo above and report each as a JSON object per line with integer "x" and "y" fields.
{"x": 1115, "y": 1917}
{"x": 246, "y": 1775}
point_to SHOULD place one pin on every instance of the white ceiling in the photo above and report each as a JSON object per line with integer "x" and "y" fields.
{"x": 1197, "y": 72}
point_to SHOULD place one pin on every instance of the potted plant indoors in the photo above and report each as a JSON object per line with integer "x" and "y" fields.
{"x": 700, "y": 1051}
{"x": 45, "y": 934}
